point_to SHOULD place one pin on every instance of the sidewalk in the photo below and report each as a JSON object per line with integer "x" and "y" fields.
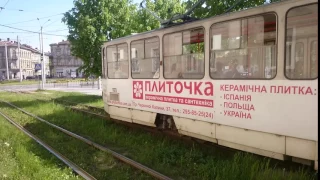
{"x": 84, "y": 90}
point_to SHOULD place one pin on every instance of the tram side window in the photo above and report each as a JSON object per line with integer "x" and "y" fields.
{"x": 302, "y": 43}
{"x": 145, "y": 58}
{"x": 117, "y": 58}
{"x": 184, "y": 54}
{"x": 244, "y": 48}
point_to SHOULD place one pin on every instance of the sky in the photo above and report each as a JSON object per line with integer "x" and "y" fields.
{"x": 23, "y": 14}
{"x": 49, "y": 12}
{"x": 16, "y": 12}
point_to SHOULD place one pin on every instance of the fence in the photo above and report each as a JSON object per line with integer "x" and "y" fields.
{"x": 84, "y": 84}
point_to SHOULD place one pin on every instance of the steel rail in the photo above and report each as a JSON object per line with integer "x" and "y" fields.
{"x": 67, "y": 106}
{"x": 100, "y": 147}
{"x": 69, "y": 163}
{"x": 174, "y": 135}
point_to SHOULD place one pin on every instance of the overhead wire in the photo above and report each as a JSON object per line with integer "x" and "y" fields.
{"x": 57, "y": 30}
{"x": 6, "y": 4}
{"x": 51, "y": 23}
{"x": 21, "y": 10}
{"x": 31, "y": 31}
{"x": 35, "y": 33}
{"x": 1, "y": 8}
{"x": 14, "y": 32}
{"x": 34, "y": 19}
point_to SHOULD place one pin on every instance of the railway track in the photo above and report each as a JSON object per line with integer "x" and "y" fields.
{"x": 154, "y": 131}
{"x": 170, "y": 133}
{"x": 69, "y": 163}
{"x": 116, "y": 155}
{"x": 74, "y": 108}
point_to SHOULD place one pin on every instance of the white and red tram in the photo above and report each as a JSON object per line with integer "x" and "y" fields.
{"x": 246, "y": 80}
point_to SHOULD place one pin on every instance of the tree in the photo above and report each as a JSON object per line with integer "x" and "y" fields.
{"x": 165, "y": 9}
{"x": 215, "y": 7}
{"x": 89, "y": 23}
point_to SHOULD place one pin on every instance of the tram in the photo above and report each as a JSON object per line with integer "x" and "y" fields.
{"x": 245, "y": 80}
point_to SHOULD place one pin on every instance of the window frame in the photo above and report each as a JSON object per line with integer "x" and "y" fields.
{"x": 310, "y": 59}
{"x": 204, "y": 52}
{"x": 117, "y": 59}
{"x": 285, "y": 43}
{"x": 144, "y": 54}
{"x": 104, "y": 58}
{"x": 240, "y": 19}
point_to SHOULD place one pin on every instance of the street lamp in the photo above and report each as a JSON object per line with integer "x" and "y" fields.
{"x": 43, "y": 68}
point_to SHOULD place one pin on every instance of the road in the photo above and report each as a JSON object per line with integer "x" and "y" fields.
{"x": 85, "y": 90}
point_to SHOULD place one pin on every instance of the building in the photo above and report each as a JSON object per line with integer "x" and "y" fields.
{"x": 63, "y": 63}
{"x": 28, "y": 57}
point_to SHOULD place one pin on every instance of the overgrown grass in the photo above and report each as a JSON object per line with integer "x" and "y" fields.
{"x": 100, "y": 164}
{"x": 23, "y": 158}
{"x": 91, "y": 100}
{"x": 171, "y": 157}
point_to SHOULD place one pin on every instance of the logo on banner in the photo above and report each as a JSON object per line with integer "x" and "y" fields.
{"x": 137, "y": 89}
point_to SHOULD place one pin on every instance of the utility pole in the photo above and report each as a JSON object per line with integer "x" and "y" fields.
{"x": 7, "y": 63}
{"x": 41, "y": 58}
{"x": 43, "y": 68}
{"x": 18, "y": 57}
{"x": 40, "y": 61}
{"x": 43, "y": 62}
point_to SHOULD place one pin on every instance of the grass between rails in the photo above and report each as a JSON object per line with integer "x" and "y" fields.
{"x": 22, "y": 158}
{"x": 171, "y": 157}
{"x": 100, "y": 164}
{"x": 90, "y": 100}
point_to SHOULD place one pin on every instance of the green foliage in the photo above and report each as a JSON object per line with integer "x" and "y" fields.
{"x": 23, "y": 158}
{"x": 169, "y": 156}
{"x": 164, "y": 9}
{"x": 25, "y": 164}
{"x": 217, "y": 7}
{"x": 91, "y": 22}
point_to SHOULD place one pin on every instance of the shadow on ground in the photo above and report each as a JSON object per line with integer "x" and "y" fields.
{"x": 81, "y": 99}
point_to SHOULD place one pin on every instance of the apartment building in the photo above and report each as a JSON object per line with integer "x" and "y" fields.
{"x": 63, "y": 63}
{"x": 28, "y": 57}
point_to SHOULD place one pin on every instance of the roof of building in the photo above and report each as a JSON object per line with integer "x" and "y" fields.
{"x": 63, "y": 42}
{"x": 22, "y": 46}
